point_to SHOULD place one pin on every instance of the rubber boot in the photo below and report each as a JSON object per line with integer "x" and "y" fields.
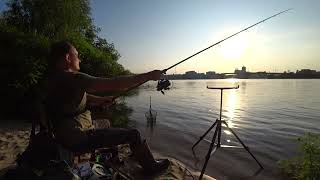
{"x": 145, "y": 158}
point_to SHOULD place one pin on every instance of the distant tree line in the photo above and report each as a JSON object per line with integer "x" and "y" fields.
{"x": 27, "y": 29}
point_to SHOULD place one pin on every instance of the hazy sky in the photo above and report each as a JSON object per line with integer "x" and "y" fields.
{"x": 152, "y": 34}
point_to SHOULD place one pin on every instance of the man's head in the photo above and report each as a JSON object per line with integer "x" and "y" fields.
{"x": 65, "y": 56}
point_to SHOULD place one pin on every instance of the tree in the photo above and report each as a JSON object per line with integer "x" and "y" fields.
{"x": 53, "y": 19}
{"x": 103, "y": 45}
{"x": 28, "y": 27}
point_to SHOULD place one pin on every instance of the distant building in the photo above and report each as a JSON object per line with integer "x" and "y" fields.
{"x": 242, "y": 74}
{"x": 306, "y": 73}
{"x": 191, "y": 75}
{"x": 210, "y": 74}
{"x": 244, "y": 69}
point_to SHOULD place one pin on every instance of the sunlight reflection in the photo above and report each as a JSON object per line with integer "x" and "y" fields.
{"x": 231, "y": 103}
{"x": 232, "y": 80}
{"x": 227, "y": 132}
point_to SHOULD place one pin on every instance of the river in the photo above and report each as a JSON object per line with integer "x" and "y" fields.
{"x": 267, "y": 114}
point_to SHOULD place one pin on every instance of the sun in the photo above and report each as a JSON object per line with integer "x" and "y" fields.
{"x": 233, "y": 49}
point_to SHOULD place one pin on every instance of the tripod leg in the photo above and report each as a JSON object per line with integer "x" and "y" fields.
{"x": 204, "y": 134}
{"x": 245, "y": 147}
{"x": 219, "y": 133}
{"x": 209, "y": 153}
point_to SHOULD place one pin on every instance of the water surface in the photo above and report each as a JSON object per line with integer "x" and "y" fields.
{"x": 268, "y": 116}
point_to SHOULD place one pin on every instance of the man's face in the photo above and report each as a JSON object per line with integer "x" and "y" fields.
{"x": 73, "y": 60}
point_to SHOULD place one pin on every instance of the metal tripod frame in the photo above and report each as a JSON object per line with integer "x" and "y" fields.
{"x": 217, "y": 134}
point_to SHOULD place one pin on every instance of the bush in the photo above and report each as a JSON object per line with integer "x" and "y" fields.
{"x": 22, "y": 65}
{"x": 306, "y": 166}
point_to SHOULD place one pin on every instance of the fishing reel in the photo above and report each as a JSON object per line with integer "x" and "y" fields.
{"x": 163, "y": 84}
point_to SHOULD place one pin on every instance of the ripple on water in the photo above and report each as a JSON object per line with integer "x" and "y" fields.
{"x": 268, "y": 115}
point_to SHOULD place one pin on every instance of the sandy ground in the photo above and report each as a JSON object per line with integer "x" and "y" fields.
{"x": 14, "y": 139}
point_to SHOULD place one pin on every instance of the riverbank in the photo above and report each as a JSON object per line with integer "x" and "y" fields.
{"x": 14, "y": 138}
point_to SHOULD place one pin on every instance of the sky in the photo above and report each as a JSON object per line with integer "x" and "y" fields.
{"x": 155, "y": 34}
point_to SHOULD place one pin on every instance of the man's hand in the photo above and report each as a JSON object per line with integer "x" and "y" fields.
{"x": 154, "y": 75}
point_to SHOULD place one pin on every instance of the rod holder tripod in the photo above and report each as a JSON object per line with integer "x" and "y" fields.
{"x": 217, "y": 135}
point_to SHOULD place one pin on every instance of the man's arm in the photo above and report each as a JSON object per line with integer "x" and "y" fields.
{"x": 122, "y": 83}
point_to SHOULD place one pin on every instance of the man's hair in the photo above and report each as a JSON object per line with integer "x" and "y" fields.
{"x": 58, "y": 50}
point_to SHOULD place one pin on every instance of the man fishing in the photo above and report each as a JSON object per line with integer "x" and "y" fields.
{"x": 68, "y": 93}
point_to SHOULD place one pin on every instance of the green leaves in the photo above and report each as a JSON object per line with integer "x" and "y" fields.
{"x": 53, "y": 19}
{"x": 27, "y": 29}
{"x": 306, "y": 166}
{"x": 23, "y": 59}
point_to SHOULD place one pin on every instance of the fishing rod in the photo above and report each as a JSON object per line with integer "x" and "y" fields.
{"x": 165, "y": 70}
{"x": 164, "y": 84}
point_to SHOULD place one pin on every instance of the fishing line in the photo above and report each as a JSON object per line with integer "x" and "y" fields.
{"x": 151, "y": 114}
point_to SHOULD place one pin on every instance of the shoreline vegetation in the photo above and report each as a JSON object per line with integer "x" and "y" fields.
{"x": 27, "y": 29}
{"x": 307, "y": 164}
